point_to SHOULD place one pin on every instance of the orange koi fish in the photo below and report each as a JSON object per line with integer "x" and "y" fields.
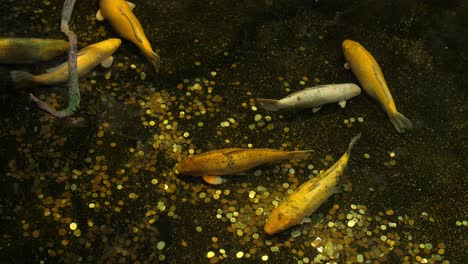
{"x": 120, "y": 16}
{"x": 210, "y": 165}
{"x": 369, "y": 74}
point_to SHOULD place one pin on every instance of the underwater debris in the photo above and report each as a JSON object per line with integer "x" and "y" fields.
{"x": 73, "y": 86}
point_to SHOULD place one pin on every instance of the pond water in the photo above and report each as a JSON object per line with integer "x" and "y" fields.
{"x": 101, "y": 186}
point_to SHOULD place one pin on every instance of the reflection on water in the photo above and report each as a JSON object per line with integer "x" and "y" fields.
{"x": 101, "y": 186}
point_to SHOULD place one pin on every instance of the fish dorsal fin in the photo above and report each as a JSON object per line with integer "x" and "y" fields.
{"x": 309, "y": 88}
{"x": 99, "y": 15}
{"x": 55, "y": 68}
{"x": 229, "y": 150}
{"x": 131, "y": 5}
{"x": 382, "y": 83}
{"x": 84, "y": 50}
{"x": 137, "y": 33}
{"x": 317, "y": 87}
{"x": 314, "y": 183}
{"x": 222, "y": 151}
{"x": 80, "y": 53}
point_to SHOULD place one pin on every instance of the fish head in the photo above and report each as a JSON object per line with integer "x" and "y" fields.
{"x": 349, "y": 44}
{"x": 279, "y": 221}
{"x": 112, "y": 44}
{"x": 355, "y": 90}
{"x": 189, "y": 166}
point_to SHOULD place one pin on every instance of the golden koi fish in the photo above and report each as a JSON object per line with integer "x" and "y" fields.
{"x": 228, "y": 161}
{"x": 308, "y": 197}
{"x": 120, "y": 16}
{"x": 369, "y": 74}
{"x": 30, "y": 50}
{"x": 87, "y": 58}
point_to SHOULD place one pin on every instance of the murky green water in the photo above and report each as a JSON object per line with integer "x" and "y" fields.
{"x": 101, "y": 187}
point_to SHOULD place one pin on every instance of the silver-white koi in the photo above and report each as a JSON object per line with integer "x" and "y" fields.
{"x": 314, "y": 97}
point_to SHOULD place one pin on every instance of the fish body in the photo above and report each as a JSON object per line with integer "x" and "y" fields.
{"x": 314, "y": 97}
{"x": 87, "y": 58}
{"x": 30, "y": 50}
{"x": 308, "y": 197}
{"x": 368, "y": 72}
{"x": 126, "y": 24}
{"x": 210, "y": 165}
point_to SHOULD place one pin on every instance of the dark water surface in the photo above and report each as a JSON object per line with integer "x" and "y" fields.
{"x": 101, "y": 187}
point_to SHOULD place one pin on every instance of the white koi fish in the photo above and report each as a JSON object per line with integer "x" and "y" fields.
{"x": 314, "y": 97}
{"x": 87, "y": 58}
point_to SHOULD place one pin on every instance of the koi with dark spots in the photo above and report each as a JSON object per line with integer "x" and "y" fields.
{"x": 212, "y": 164}
{"x": 306, "y": 199}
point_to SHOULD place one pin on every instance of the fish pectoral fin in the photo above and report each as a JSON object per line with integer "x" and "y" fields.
{"x": 316, "y": 109}
{"x": 346, "y": 66}
{"x": 212, "y": 179}
{"x": 342, "y": 103}
{"x": 337, "y": 189}
{"x": 131, "y": 5}
{"x": 107, "y": 62}
{"x": 99, "y": 15}
{"x": 134, "y": 27}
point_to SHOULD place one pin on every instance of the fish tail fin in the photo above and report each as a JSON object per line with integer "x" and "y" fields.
{"x": 270, "y": 104}
{"x": 299, "y": 155}
{"x": 21, "y": 78}
{"x": 154, "y": 58}
{"x": 353, "y": 141}
{"x": 400, "y": 122}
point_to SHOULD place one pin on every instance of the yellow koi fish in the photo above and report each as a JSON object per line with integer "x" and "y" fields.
{"x": 120, "y": 16}
{"x": 87, "y": 58}
{"x": 30, "y": 50}
{"x": 213, "y": 163}
{"x": 369, "y": 74}
{"x": 308, "y": 197}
